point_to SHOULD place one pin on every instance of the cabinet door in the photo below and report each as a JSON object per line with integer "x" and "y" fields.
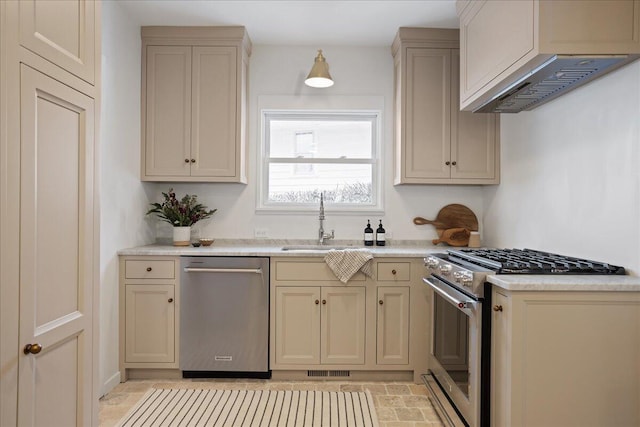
{"x": 500, "y": 362}
{"x": 473, "y": 136}
{"x": 68, "y": 40}
{"x": 393, "y": 325}
{"x": 167, "y": 115}
{"x": 342, "y": 329}
{"x": 494, "y": 35}
{"x": 297, "y": 325}
{"x": 150, "y": 323}
{"x": 214, "y": 112}
{"x": 427, "y": 113}
{"x": 56, "y": 252}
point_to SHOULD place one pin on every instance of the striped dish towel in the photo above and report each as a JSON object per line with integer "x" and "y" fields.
{"x": 346, "y": 263}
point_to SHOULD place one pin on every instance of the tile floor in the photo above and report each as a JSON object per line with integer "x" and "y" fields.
{"x": 398, "y": 404}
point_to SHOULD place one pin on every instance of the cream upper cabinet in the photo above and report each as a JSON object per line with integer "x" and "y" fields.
{"x": 565, "y": 358}
{"x": 435, "y": 143}
{"x": 194, "y": 102}
{"x": 68, "y": 40}
{"x": 501, "y": 40}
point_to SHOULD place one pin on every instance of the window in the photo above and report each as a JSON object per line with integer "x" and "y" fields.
{"x": 309, "y": 153}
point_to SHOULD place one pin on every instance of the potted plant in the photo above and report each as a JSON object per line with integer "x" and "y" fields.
{"x": 181, "y": 214}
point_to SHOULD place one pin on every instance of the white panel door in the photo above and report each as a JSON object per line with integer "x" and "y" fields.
{"x": 213, "y": 112}
{"x": 68, "y": 40}
{"x": 342, "y": 325}
{"x": 56, "y": 253}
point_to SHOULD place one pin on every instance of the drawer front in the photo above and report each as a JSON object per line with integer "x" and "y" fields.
{"x": 394, "y": 271}
{"x": 309, "y": 272}
{"x": 152, "y": 269}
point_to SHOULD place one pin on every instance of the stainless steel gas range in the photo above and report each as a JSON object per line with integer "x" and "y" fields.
{"x": 459, "y": 377}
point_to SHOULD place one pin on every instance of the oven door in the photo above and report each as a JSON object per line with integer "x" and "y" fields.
{"x": 454, "y": 358}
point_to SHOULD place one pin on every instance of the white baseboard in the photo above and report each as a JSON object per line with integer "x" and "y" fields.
{"x": 110, "y": 384}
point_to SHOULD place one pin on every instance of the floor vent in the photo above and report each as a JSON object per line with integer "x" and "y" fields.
{"x": 328, "y": 373}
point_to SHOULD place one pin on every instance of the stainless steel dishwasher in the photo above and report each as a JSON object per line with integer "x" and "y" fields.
{"x": 224, "y": 317}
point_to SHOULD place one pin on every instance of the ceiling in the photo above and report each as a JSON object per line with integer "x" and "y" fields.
{"x": 301, "y": 22}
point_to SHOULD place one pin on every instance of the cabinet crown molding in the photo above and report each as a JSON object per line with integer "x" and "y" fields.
{"x": 218, "y": 35}
{"x": 426, "y": 37}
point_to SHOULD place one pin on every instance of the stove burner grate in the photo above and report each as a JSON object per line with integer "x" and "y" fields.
{"x": 529, "y": 261}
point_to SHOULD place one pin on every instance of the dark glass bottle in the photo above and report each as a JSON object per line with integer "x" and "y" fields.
{"x": 380, "y": 239}
{"x": 368, "y": 235}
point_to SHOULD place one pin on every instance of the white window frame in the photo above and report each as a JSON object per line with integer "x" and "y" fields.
{"x": 375, "y": 116}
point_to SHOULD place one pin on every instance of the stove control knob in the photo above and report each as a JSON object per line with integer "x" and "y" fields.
{"x": 431, "y": 262}
{"x": 463, "y": 277}
{"x": 445, "y": 269}
{"x": 467, "y": 279}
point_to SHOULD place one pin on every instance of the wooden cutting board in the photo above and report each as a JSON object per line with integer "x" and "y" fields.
{"x": 451, "y": 216}
{"x": 454, "y": 237}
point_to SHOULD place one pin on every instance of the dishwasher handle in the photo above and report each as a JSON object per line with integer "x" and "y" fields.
{"x": 222, "y": 270}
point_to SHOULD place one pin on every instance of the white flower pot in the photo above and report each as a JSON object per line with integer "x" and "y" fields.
{"x": 181, "y": 236}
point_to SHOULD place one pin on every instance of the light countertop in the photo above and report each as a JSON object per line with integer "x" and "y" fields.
{"x": 406, "y": 249}
{"x": 403, "y": 249}
{"x": 600, "y": 283}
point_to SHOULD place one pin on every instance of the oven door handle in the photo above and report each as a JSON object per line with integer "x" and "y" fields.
{"x": 457, "y": 299}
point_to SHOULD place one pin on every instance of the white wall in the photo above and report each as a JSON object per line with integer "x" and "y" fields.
{"x": 571, "y": 174}
{"x": 123, "y": 200}
{"x": 358, "y": 72}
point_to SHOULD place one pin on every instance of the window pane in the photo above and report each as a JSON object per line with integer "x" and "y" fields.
{"x": 321, "y": 138}
{"x": 303, "y": 183}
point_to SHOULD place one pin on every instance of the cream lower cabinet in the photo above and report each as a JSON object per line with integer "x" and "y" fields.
{"x": 393, "y": 312}
{"x": 150, "y": 324}
{"x": 149, "y": 313}
{"x": 565, "y": 359}
{"x": 436, "y": 143}
{"x": 369, "y": 325}
{"x": 392, "y": 337}
{"x": 323, "y": 325}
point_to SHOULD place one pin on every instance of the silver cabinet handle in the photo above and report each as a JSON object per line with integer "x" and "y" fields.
{"x": 455, "y": 298}
{"x": 222, "y": 270}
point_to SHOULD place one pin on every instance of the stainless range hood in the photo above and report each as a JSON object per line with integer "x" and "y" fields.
{"x": 558, "y": 75}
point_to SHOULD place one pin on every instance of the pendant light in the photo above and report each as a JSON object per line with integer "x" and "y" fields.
{"x": 319, "y": 75}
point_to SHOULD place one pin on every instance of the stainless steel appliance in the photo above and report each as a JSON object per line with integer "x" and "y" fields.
{"x": 459, "y": 359}
{"x": 224, "y": 317}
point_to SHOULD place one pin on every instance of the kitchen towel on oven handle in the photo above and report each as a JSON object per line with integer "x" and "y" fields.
{"x": 346, "y": 263}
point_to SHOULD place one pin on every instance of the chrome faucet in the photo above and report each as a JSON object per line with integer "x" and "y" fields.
{"x": 321, "y": 234}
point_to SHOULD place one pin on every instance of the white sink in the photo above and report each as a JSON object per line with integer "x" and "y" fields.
{"x": 314, "y": 248}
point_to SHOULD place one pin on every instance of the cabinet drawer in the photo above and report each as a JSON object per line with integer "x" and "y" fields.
{"x": 152, "y": 269}
{"x": 308, "y": 272}
{"x": 394, "y": 271}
